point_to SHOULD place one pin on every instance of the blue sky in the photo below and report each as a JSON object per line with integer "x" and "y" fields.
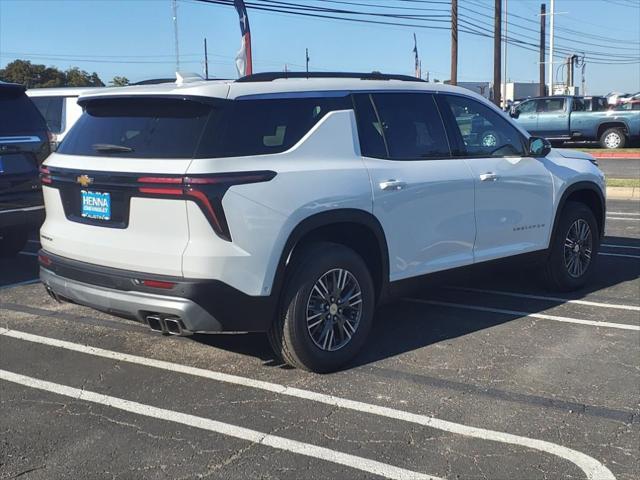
{"x": 134, "y": 38}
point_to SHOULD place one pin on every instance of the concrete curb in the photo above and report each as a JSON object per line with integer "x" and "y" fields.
{"x": 617, "y": 156}
{"x": 623, "y": 193}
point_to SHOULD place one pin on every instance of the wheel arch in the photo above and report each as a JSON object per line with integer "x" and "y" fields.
{"x": 588, "y": 193}
{"x": 612, "y": 124}
{"x": 356, "y": 229}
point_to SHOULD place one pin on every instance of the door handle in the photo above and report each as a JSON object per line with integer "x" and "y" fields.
{"x": 392, "y": 184}
{"x": 488, "y": 177}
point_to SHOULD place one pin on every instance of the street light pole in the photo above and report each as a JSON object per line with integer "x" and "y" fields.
{"x": 551, "y": 32}
{"x": 506, "y": 37}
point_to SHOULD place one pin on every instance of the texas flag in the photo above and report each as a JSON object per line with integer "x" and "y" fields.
{"x": 243, "y": 58}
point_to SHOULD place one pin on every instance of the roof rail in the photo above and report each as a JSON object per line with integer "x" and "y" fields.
{"x": 270, "y": 76}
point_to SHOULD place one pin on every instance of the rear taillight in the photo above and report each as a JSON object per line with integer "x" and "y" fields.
{"x": 207, "y": 191}
{"x": 44, "y": 260}
{"x": 45, "y": 175}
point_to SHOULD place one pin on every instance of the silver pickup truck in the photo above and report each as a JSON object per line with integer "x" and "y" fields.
{"x": 564, "y": 118}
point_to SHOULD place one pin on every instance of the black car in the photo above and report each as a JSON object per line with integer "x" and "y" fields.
{"x": 24, "y": 144}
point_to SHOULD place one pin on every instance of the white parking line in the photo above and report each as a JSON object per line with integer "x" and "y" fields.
{"x": 618, "y": 255}
{"x": 17, "y": 284}
{"x": 593, "y": 469}
{"x": 611, "y": 245}
{"x": 281, "y": 443}
{"x": 622, "y": 326}
{"x": 624, "y": 218}
{"x": 542, "y": 297}
{"x": 624, "y": 213}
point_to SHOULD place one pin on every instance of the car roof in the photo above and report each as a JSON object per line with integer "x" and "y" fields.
{"x": 230, "y": 89}
{"x": 61, "y": 91}
{"x": 12, "y": 87}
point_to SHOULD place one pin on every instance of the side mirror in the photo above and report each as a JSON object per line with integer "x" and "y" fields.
{"x": 514, "y": 112}
{"x": 539, "y": 147}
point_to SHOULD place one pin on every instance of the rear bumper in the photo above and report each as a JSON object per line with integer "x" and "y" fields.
{"x": 202, "y": 305}
{"x": 27, "y": 217}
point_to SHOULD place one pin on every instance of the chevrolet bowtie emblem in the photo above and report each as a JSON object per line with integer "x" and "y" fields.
{"x": 84, "y": 180}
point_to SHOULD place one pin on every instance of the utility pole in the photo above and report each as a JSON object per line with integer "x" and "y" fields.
{"x": 497, "y": 51}
{"x": 454, "y": 42}
{"x": 543, "y": 24}
{"x": 175, "y": 33}
{"x": 206, "y": 60}
{"x": 506, "y": 37}
{"x": 307, "y": 60}
{"x": 551, "y": 32}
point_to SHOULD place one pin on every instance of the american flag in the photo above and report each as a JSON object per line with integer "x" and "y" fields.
{"x": 417, "y": 59}
{"x": 244, "y": 63}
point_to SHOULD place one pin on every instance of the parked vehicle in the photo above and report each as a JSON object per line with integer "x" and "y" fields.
{"x": 630, "y": 105}
{"x": 295, "y": 205}
{"x": 59, "y": 107}
{"x": 24, "y": 144}
{"x": 561, "y": 118}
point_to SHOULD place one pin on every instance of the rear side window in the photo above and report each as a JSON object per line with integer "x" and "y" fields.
{"x": 412, "y": 126}
{"x": 139, "y": 128}
{"x": 263, "y": 126}
{"x": 18, "y": 115}
{"x": 51, "y": 109}
{"x": 372, "y": 142}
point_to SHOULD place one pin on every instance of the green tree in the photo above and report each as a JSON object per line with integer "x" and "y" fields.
{"x": 119, "y": 82}
{"x": 37, "y": 75}
{"x": 80, "y": 78}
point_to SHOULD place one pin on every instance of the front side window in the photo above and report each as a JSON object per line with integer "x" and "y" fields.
{"x": 412, "y": 126}
{"x": 51, "y": 110}
{"x": 549, "y": 105}
{"x": 579, "y": 105}
{"x": 482, "y": 131}
{"x": 527, "y": 107}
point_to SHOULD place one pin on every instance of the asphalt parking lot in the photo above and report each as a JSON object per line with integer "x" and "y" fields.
{"x": 486, "y": 376}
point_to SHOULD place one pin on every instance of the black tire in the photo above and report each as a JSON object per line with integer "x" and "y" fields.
{"x": 558, "y": 266}
{"x": 613, "y": 138}
{"x": 289, "y": 336}
{"x": 12, "y": 241}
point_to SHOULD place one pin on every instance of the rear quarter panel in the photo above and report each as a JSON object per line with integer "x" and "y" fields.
{"x": 323, "y": 171}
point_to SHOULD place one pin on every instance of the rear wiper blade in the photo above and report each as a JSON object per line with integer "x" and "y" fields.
{"x": 107, "y": 147}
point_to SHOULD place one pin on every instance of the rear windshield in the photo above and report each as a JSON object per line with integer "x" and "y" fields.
{"x": 18, "y": 115}
{"x": 183, "y": 128}
{"x": 51, "y": 110}
{"x": 142, "y": 128}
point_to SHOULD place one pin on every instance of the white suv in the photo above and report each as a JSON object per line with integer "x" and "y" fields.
{"x": 296, "y": 205}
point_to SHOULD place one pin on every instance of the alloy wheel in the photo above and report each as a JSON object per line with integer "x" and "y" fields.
{"x": 334, "y": 309}
{"x": 578, "y": 246}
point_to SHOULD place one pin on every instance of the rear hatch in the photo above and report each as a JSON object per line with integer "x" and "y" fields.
{"x": 113, "y": 189}
{"x": 24, "y": 144}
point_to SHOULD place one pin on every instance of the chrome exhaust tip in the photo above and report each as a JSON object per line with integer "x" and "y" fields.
{"x": 174, "y": 326}
{"x": 52, "y": 294}
{"x": 156, "y": 323}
